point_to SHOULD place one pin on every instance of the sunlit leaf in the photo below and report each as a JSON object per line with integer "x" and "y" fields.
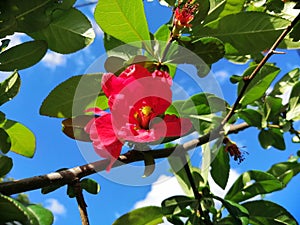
{"x": 294, "y": 103}
{"x": 263, "y": 212}
{"x": 252, "y": 183}
{"x": 43, "y": 215}
{"x": 126, "y": 22}
{"x": 285, "y": 171}
{"x": 12, "y": 210}
{"x": 10, "y": 87}
{"x": 241, "y": 31}
{"x": 251, "y": 116}
{"x": 90, "y": 185}
{"x": 68, "y": 32}
{"x": 150, "y": 215}
{"x": 176, "y": 205}
{"x": 260, "y": 83}
{"x": 286, "y": 82}
{"x": 23, "y": 55}
{"x": 22, "y": 139}
{"x": 272, "y": 137}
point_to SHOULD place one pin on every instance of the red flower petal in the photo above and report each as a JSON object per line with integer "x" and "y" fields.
{"x": 105, "y": 141}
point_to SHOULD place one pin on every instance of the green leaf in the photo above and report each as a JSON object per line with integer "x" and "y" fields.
{"x": 272, "y": 108}
{"x": 285, "y": 171}
{"x": 263, "y": 212}
{"x": 275, "y": 5}
{"x": 12, "y": 210}
{"x": 203, "y": 103}
{"x": 6, "y": 165}
{"x": 176, "y": 205}
{"x": 177, "y": 166}
{"x": 74, "y": 127}
{"x": 241, "y": 31}
{"x": 251, "y": 116}
{"x": 286, "y": 82}
{"x": 293, "y": 112}
{"x": 90, "y": 185}
{"x": 272, "y": 137}
{"x": 220, "y": 168}
{"x": 149, "y": 164}
{"x": 23, "y": 55}
{"x": 209, "y": 49}
{"x": 238, "y": 212}
{"x": 44, "y": 216}
{"x": 126, "y": 22}
{"x": 232, "y": 7}
{"x": 73, "y": 96}
{"x": 10, "y": 87}
{"x": 5, "y": 142}
{"x": 260, "y": 83}
{"x": 68, "y": 32}
{"x": 252, "y": 183}
{"x": 48, "y": 189}
{"x": 22, "y": 139}
{"x": 150, "y": 215}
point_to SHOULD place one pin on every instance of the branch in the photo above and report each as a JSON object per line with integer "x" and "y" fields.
{"x": 81, "y": 203}
{"x": 257, "y": 69}
{"x": 70, "y": 176}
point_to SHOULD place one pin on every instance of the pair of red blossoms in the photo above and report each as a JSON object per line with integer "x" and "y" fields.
{"x": 137, "y": 100}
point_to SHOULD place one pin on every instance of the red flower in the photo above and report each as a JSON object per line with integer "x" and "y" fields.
{"x": 183, "y": 16}
{"x": 138, "y": 100}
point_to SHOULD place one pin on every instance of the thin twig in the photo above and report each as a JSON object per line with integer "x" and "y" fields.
{"x": 257, "y": 69}
{"x": 81, "y": 203}
{"x": 69, "y": 176}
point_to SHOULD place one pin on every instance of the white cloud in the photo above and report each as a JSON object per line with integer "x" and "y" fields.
{"x": 164, "y": 187}
{"x": 15, "y": 39}
{"x": 55, "y": 207}
{"x": 53, "y": 59}
{"x": 221, "y": 75}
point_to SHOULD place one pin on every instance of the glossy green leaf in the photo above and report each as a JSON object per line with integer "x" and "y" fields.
{"x": 203, "y": 6}
{"x": 68, "y": 32}
{"x": 6, "y": 165}
{"x": 296, "y": 30}
{"x": 90, "y": 185}
{"x": 150, "y": 215}
{"x": 275, "y": 5}
{"x": 12, "y": 210}
{"x": 238, "y": 212}
{"x": 220, "y": 168}
{"x": 285, "y": 171}
{"x": 203, "y": 103}
{"x": 241, "y": 31}
{"x": 251, "y": 116}
{"x": 43, "y": 215}
{"x": 176, "y": 205}
{"x": 10, "y": 87}
{"x": 23, "y": 55}
{"x": 216, "y": 7}
{"x": 272, "y": 137}
{"x": 22, "y": 139}
{"x": 74, "y": 127}
{"x": 293, "y": 112}
{"x": 73, "y": 96}
{"x": 232, "y": 7}
{"x": 260, "y": 83}
{"x": 263, "y": 212}
{"x": 286, "y": 82}
{"x": 272, "y": 108}
{"x": 5, "y": 142}
{"x": 252, "y": 183}
{"x": 126, "y": 22}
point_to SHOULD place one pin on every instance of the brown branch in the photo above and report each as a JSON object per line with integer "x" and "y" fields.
{"x": 257, "y": 69}
{"x": 81, "y": 203}
{"x": 69, "y": 176}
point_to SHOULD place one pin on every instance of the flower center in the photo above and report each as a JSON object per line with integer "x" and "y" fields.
{"x": 143, "y": 117}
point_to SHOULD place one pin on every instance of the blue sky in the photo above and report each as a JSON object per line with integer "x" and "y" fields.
{"x": 55, "y": 150}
